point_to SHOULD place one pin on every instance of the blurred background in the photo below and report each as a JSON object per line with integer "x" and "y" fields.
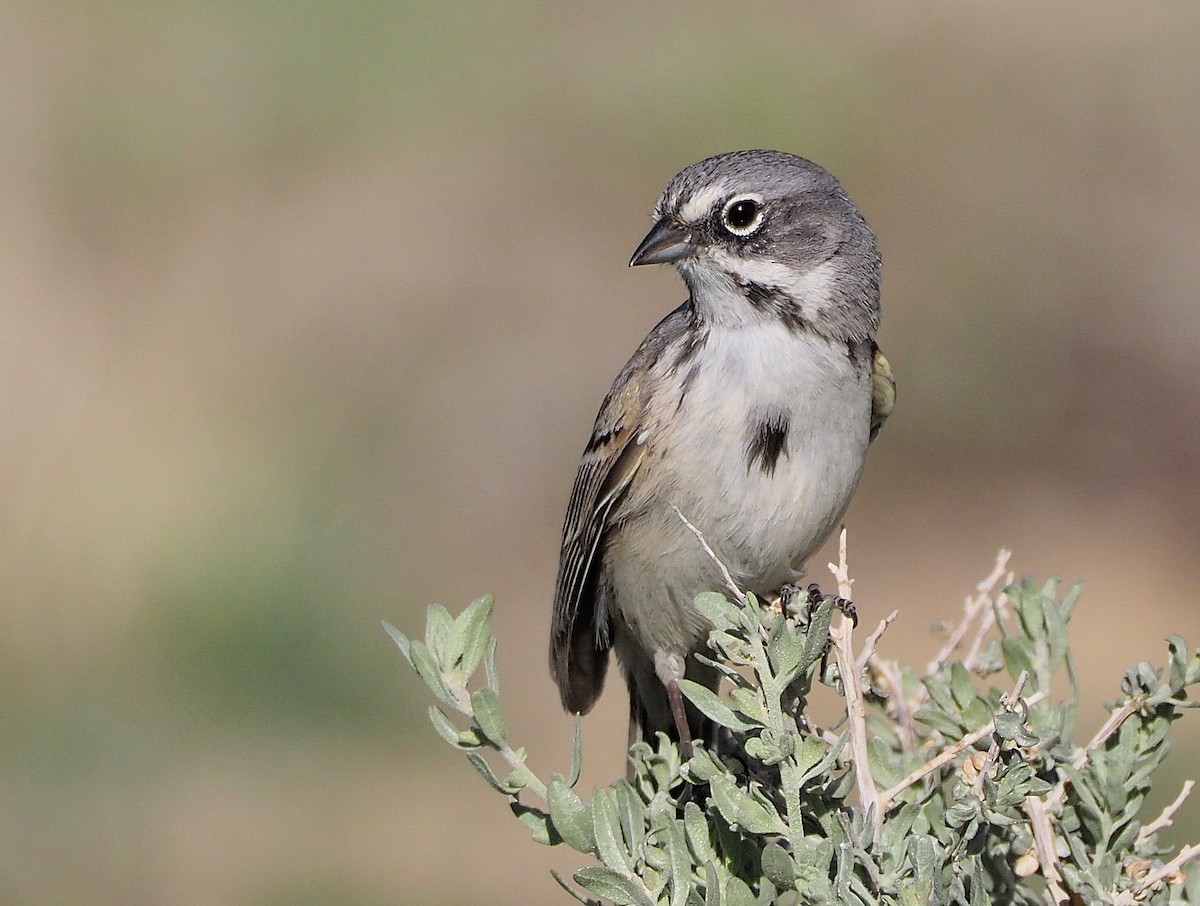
{"x": 307, "y": 309}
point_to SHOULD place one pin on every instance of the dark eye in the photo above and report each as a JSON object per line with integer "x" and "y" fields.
{"x": 742, "y": 215}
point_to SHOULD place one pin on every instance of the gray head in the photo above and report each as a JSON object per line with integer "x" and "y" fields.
{"x": 765, "y": 234}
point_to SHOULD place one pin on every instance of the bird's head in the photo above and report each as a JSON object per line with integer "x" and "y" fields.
{"x": 761, "y": 234}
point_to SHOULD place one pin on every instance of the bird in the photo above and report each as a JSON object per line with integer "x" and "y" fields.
{"x": 743, "y": 417}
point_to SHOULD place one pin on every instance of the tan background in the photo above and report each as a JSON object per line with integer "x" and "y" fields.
{"x": 307, "y": 308}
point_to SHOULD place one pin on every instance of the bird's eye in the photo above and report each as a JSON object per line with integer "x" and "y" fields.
{"x": 742, "y": 215}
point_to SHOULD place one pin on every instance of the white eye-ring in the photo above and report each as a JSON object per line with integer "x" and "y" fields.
{"x": 742, "y": 214}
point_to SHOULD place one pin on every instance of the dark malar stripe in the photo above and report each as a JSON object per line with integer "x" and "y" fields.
{"x": 693, "y": 342}
{"x": 686, "y": 384}
{"x": 688, "y": 350}
{"x": 767, "y": 442}
{"x": 773, "y": 300}
{"x": 759, "y": 294}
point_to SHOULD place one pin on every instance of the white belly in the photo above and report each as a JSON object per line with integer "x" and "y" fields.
{"x": 762, "y": 524}
{"x": 766, "y": 523}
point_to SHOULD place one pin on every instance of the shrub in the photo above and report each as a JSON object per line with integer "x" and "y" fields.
{"x": 956, "y": 783}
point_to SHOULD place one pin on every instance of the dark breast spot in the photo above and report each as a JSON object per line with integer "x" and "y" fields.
{"x": 766, "y": 441}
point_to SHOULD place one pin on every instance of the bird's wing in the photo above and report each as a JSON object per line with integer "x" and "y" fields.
{"x": 578, "y": 648}
{"x": 883, "y": 390}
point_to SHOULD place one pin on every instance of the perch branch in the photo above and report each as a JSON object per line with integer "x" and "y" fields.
{"x": 842, "y": 634}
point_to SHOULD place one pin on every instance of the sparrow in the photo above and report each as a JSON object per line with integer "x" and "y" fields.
{"x": 747, "y": 412}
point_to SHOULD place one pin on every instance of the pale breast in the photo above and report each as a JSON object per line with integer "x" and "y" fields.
{"x": 765, "y": 446}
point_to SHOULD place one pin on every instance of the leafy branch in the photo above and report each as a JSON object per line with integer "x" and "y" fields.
{"x": 938, "y": 786}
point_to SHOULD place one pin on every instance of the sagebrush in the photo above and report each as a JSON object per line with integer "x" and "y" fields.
{"x": 956, "y": 783}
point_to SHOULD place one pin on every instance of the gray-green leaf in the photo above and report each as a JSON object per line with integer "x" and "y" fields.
{"x": 472, "y": 629}
{"x": 438, "y": 629}
{"x": 712, "y": 707}
{"x": 428, "y": 670}
{"x": 611, "y": 884}
{"x": 739, "y": 808}
{"x": 572, "y": 817}
{"x": 460, "y": 739}
{"x": 778, "y": 866}
{"x": 537, "y": 821}
{"x": 606, "y": 826}
{"x": 400, "y": 639}
{"x": 718, "y": 610}
{"x": 489, "y": 715}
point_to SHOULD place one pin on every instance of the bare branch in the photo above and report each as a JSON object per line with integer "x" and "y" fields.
{"x": 897, "y": 705}
{"x": 868, "y": 651}
{"x": 1166, "y": 872}
{"x": 986, "y": 621}
{"x": 975, "y": 608}
{"x": 1043, "y": 842}
{"x": 1165, "y": 819}
{"x": 947, "y": 755}
{"x": 1110, "y": 727}
{"x": 841, "y": 632}
{"x": 841, "y": 569}
{"x": 842, "y": 635}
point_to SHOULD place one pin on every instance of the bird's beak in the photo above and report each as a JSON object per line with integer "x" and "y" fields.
{"x": 665, "y": 243}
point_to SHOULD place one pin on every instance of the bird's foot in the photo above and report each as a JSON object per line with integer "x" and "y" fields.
{"x": 815, "y": 596}
{"x": 801, "y": 602}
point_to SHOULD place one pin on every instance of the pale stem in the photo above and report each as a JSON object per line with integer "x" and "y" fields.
{"x": 1165, "y": 819}
{"x": 1173, "y": 867}
{"x": 1043, "y": 842}
{"x": 868, "y": 651}
{"x": 725, "y": 574}
{"x": 1110, "y": 727}
{"x": 788, "y": 775}
{"x": 775, "y": 716}
{"x": 948, "y": 754}
{"x": 978, "y": 607}
{"x": 841, "y": 632}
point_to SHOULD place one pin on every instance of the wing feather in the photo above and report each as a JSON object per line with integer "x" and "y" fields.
{"x": 600, "y": 500}
{"x": 883, "y": 390}
{"x": 579, "y": 633}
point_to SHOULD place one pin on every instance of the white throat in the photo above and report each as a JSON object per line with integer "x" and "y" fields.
{"x": 718, "y": 282}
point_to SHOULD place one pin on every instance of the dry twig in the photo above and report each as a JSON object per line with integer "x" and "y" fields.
{"x": 887, "y": 676}
{"x": 738, "y": 594}
{"x": 975, "y": 608}
{"x": 1043, "y": 842}
{"x": 842, "y": 634}
{"x": 1167, "y": 872}
{"x": 868, "y": 651}
{"x": 947, "y": 755}
{"x": 1165, "y": 819}
{"x": 1110, "y": 727}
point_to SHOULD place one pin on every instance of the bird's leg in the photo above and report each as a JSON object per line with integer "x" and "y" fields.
{"x": 669, "y": 668}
